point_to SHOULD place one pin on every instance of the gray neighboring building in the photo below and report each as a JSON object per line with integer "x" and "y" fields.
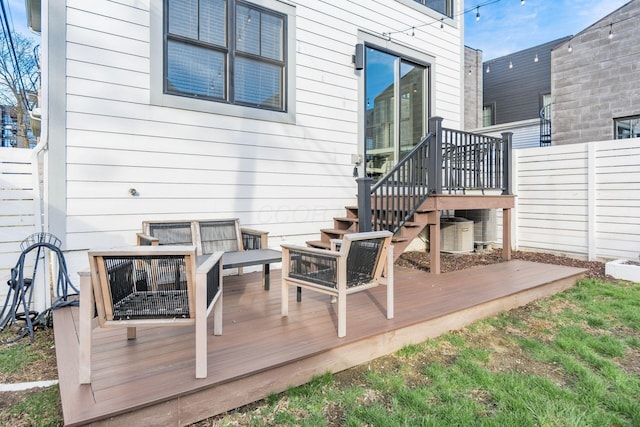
{"x": 518, "y": 86}
{"x": 515, "y": 88}
{"x": 595, "y": 80}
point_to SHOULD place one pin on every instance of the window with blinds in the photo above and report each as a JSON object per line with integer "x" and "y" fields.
{"x": 444, "y": 7}
{"x": 226, "y": 51}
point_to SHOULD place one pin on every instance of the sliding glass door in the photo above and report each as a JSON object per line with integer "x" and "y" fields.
{"x": 395, "y": 111}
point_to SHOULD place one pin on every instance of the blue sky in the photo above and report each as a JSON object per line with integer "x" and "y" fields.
{"x": 18, "y": 17}
{"x": 506, "y": 26}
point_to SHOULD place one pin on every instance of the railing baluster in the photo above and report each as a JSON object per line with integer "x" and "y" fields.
{"x": 446, "y": 159}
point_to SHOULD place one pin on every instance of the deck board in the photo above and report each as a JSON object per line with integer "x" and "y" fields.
{"x": 152, "y": 379}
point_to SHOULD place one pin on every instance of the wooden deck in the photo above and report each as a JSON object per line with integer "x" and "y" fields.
{"x": 151, "y": 381}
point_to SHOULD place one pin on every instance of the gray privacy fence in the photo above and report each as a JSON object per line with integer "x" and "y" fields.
{"x": 579, "y": 199}
{"x": 20, "y": 215}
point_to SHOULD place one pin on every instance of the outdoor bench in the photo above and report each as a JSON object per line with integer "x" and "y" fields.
{"x": 242, "y": 247}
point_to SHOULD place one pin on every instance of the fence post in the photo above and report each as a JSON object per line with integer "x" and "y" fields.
{"x": 507, "y": 178}
{"x": 364, "y": 203}
{"x": 434, "y": 166}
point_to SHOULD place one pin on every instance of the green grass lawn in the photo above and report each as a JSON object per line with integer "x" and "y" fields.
{"x": 569, "y": 360}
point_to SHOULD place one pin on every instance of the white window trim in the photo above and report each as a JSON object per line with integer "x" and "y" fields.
{"x": 453, "y": 21}
{"x": 158, "y": 97}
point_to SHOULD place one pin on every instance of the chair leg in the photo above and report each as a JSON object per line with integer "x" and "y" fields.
{"x": 131, "y": 333}
{"x": 342, "y": 314}
{"x": 284, "y": 299}
{"x": 86, "y": 328}
{"x": 390, "y": 300}
{"x": 201, "y": 331}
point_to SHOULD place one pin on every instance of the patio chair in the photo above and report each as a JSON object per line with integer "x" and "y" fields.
{"x": 357, "y": 265}
{"x": 150, "y": 286}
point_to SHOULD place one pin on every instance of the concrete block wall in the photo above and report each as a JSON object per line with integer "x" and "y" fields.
{"x": 472, "y": 88}
{"x": 598, "y": 79}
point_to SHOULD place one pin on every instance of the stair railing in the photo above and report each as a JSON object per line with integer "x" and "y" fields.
{"x": 445, "y": 160}
{"x": 391, "y": 201}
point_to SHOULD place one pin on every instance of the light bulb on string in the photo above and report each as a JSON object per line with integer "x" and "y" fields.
{"x": 488, "y": 69}
{"x": 610, "y": 31}
{"x": 442, "y": 23}
{"x": 510, "y": 64}
{"x": 522, "y": 2}
{"x": 413, "y": 31}
{"x": 536, "y": 58}
{"x": 569, "y": 48}
{"x": 477, "y": 13}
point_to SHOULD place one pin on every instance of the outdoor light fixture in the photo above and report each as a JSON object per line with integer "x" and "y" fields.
{"x": 488, "y": 69}
{"x": 522, "y": 2}
{"x": 477, "y": 13}
{"x": 510, "y": 64}
{"x": 536, "y": 58}
{"x": 358, "y": 58}
{"x": 442, "y": 23}
{"x": 610, "y": 31}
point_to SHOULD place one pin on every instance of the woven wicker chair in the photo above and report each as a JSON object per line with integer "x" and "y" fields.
{"x": 356, "y": 266}
{"x": 150, "y": 286}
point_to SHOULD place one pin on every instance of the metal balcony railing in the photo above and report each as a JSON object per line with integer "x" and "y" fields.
{"x": 445, "y": 161}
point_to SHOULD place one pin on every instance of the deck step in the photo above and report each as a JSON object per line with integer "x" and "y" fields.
{"x": 409, "y": 224}
{"x": 345, "y": 219}
{"x": 318, "y": 244}
{"x": 335, "y": 231}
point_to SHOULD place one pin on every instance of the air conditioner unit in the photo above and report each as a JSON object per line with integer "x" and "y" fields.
{"x": 484, "y": 224}
{"x": 456, "y": 235}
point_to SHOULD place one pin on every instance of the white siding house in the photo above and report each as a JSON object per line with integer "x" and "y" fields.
{"x": 122, "y": 148}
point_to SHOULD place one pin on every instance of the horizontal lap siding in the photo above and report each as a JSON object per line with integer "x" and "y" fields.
{"x": 289, "y": 179}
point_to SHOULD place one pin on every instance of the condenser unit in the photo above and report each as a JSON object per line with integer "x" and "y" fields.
{"x": 456, "y": 235}
{"x": 484, "y": 224}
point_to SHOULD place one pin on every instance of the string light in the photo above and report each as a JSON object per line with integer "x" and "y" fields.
{"x": 536, "y": 58}
{"x": 569, "y": 48}
{"x": 488, "y": 69}
{"x": 388, "y": 34}
{"x": 522, "y": 2}
{"x": 610, "y": 31}
{"x": 413, "y": 31}
{"x": 510, "y": 64}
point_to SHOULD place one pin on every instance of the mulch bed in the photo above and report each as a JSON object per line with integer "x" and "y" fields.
{"x": 454, "y": 262}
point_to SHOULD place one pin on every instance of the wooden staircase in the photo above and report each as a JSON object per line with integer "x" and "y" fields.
{"x": 349, "y": 224}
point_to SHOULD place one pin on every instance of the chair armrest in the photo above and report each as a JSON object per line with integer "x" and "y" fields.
{"x": 146, "y": 240}
{"x": 309, "y": 250}
{"x": 254, "y": 239}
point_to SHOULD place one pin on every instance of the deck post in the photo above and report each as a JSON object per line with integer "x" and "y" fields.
{"x": 364, "y": 203}
{"x": 434, "y": 166}
{"x": 434, "y": 242}
{"x": 507, "y": 179}
{"x": 506, "y": 234}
